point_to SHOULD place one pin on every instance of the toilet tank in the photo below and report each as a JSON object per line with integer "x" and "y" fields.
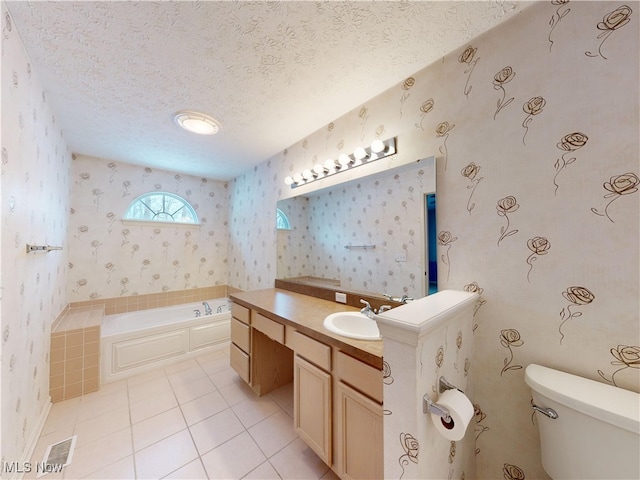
{"x": 597, "y": 432}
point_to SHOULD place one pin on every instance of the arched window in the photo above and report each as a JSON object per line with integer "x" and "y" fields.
{"x": 282, "y": 222}
{"x": 161, "y": 207}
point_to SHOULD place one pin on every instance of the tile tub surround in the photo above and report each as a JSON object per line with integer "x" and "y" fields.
{"x": 133, "y": 303}
{"x": 75, "y": 336}
{"x": 75, "y": 353}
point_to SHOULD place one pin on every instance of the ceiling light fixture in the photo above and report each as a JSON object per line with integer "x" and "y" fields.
{"x": 344, "y": 162}
{"x": 196, "y": 122}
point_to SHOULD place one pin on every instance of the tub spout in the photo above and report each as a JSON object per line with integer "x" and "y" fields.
{"x": 207, "y": 308}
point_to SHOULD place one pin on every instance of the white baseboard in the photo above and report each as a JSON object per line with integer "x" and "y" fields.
{"x": 27, "y": 453}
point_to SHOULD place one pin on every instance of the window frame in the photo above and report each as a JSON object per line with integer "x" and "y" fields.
{"x": 280, "y": 215}
{"x": 143, "y": 221}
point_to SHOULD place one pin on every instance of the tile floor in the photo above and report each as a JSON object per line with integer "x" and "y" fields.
{"x": 192, "y": 420}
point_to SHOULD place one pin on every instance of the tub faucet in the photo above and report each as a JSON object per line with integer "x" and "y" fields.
{"x": 367, "y": 310}
{"x": 207, "y": 308}
{"x": 219, "y": 309}
{"x": 198, "y": 314}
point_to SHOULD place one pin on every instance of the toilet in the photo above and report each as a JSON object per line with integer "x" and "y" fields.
{"x": 596, "y": 434}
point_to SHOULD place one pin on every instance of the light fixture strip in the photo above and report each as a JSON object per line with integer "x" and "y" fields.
{"x": 376, "y": 151}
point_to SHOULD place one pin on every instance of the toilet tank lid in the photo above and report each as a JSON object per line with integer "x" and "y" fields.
{"x": 613, "y": 405}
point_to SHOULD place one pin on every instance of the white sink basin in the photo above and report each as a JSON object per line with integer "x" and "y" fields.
{"x": 352, "y": 325}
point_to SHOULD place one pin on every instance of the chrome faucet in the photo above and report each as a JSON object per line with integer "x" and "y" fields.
{"x": 207, "y": 308}
{"x": 384, "y": 308}
{"x": 198, "y": 314}
{"x": 367, "y": 310}
{"x": 403, "y": 299}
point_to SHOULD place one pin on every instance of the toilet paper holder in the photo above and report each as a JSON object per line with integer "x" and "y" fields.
{"x": 429, "y": 406}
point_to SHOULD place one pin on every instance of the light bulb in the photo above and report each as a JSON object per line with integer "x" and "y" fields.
{"x": 297, "y": 178}
{"x": 319, "y": 169}
{"x": 307, "y": 174}
{"x": 288, "y": 180}
{"x": 330, "y": 164}
{"x": 360, "y": 153}
{"x": 378, "y": 146}
{"x": 344, "y": 160}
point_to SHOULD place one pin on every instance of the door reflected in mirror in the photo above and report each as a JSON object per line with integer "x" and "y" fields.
{"x": 374, "y": 235}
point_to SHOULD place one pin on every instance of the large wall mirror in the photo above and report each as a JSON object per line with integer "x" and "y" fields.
{"x": 375, "y": 234}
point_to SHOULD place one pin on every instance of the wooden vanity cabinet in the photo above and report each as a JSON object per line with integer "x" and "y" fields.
{"x": 337, "y": 398}
{"x": 357, "y": 419}
{"x": 240, "y": 349}
{"x": 312, "y": 407}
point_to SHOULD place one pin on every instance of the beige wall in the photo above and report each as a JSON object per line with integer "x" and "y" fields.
{"x": 110, "y": 259}
{"x": 575, "y": 225}
{"x": 36, "y": 166}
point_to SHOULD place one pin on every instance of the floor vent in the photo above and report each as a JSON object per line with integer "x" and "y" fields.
{"x": 57, "y": 456}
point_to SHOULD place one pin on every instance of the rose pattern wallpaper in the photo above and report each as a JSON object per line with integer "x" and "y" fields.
{"x": 111, "y": 258}
{"x": 35, "y": 182}
{"x": 537, "y": 210}
{"x": 535, "y": 128}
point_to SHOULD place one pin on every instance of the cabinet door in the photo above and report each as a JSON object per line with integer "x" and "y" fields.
{"x": 312, "y": 407}
{"x": 360, "y": 447}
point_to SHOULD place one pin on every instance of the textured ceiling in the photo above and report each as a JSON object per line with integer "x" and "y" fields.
{"x": 269, "y": 72}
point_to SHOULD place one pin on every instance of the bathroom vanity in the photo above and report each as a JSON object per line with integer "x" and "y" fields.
{"x": 278, "y": 337}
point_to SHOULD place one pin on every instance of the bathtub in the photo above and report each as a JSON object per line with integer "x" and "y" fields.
{"x": 135, "y": 342}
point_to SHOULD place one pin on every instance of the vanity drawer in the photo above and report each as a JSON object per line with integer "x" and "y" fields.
{"x": 240, "y": 335}
{"x": 359, "y": 375}
{"x": 239, "y": 362}
{"x": 271, "y": 329}
{"x": 314, "y": 351}
{"x": 240, "y": 312}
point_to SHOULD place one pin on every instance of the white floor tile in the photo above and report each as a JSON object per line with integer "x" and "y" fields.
{"x": 146, "y": 377}
{"x": 99, "y": 454}
{"x": 263, "y": 472}
{"x": 273, "y": 433}
{"x": 283, "y": 396}
{"x": 225, "y": 377}
{"x": 297, "y": 461}
{"x": 215, "y": 430}
{"x": 155, "y": 403}
{"x": 181, "y": 366}
{"x": 203, "y": 407}
{"x": 120, "y": 470}
{"x": 233, "y": 459}
{"x": 165, "y": 456}
{"x": 254, "y": 409}
{"x": 237, "y": 392}
{"x": 191, "y": 471}
{"x": 186, "y": 391}
{"x": 101, "y": 425}
{"x": 192, "y": 420}
{"x": 143, "y": 391}
{"x": 61, "y": 415}
{"x": 156, "y": 428}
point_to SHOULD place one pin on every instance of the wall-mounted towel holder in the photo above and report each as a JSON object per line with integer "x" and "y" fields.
{"x": 41, "y": 248}
{"x": 365, "y": 247}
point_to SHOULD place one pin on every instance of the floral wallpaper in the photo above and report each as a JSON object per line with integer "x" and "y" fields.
{"x": 109, "y": 258}
{"x": 414, "y": 448}
{"x": 35, "y": 185}
{"x": 535, "y": 128}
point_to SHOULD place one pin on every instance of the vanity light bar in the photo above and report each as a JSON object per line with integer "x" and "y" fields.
{"x": 361, "y": 155}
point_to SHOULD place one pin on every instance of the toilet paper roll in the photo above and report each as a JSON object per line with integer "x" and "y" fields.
{"x": 461, "y": 412}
